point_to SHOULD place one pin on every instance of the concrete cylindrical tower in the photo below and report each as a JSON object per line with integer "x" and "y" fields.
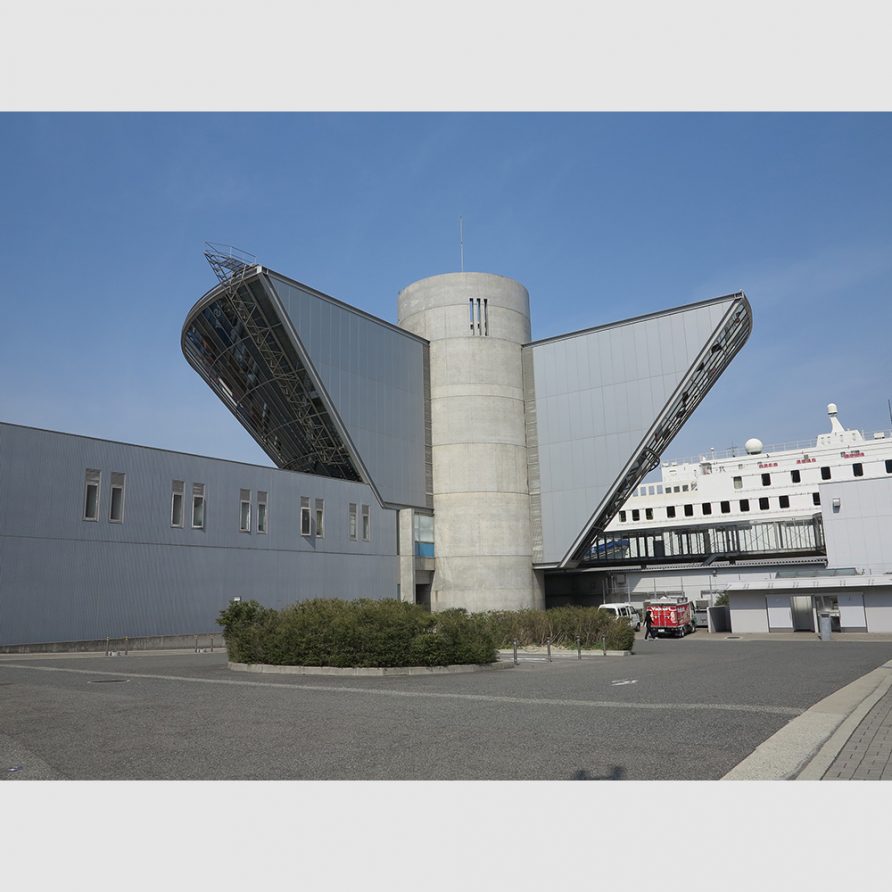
{"x": 476, "y": 324}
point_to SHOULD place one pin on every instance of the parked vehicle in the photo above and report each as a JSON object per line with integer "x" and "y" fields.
{"x": 671, "y": 617}
{"x": 627, "y": 611}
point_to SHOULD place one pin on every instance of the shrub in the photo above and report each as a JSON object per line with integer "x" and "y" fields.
{"x": 362, "y": 633}
{"x": 562, "y": 625}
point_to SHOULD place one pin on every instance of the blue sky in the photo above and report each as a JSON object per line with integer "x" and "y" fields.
{"x": 601, "y": 216}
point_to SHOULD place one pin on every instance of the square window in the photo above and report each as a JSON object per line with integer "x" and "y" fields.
{"x": 707, "y": 508}
{"x": 766, "y": 480}
{"x": 858, "y": 469}
{"x": 825, "y": 473}
{"x": 785, "y": 501}
{"x": 795, "y": 476}
{"x": 688, "y": 510}
{"x": 763, "y": 504}
{"x": 744, "y": 504}
{"x": 670, "y": 511}
{"x": 726, "y": 507}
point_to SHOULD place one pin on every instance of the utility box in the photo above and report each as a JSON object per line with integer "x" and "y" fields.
{"x": 825, "y": 623}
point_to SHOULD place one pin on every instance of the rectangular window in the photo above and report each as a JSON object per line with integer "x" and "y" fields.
{"x": 116, "y": 506}
{"x": 622, "y": 516}
{"x": 763, "y": 504}
{"x": 92, "y": 481}
{"x": 858, "y": 469}
{"x": 738, "y": 483}
{"x": 305, "y": 527}
{"x": 744, "y": 504}
{"x": 795, "y": 476}
{"x": 320, "y": 518}
{"x": 197, "y": 506}
{"x": 889, "y": 465}
{"x": 766, "y": 480}
{"x": 825, "y": 473}
{"x": 648, "y": 513}
{"x": 670, "y": 511}
{"x": 688, "y": 510}
{"x": 816, "y": 498}
{"x": 785, "y": 501}
{"x": 261, "y": 511}
{"x": 636, "y": 514}
{"x": 684, "y": 487}
{"x": 707, "y": 507}
{"x": 244, "y": 512}
{"x": 366, "y": 524}
{"x": 726, "y": 507}
{"x": 176, "y": 503}
{"x": 352, "y": 523}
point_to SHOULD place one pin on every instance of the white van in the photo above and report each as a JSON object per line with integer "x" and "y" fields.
{"x": 625, "y": 610}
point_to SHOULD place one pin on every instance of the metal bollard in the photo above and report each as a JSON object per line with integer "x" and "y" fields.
{"x": 579, "y": 647}
{"x": 196, "y": 644}
{"x": 515, "y": 651}
{"x": 548, "y": 646}
{"x": 212, "y": 643}
{"x": 604, "y": 645}
{"x": 106, "y": 645}
{"x": 126, "y": 645}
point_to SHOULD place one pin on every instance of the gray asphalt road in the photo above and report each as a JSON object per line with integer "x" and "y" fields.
{"x": 675, "y": 710}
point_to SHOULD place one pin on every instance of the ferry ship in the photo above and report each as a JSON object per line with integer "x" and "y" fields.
{"x": 765, "y": 501}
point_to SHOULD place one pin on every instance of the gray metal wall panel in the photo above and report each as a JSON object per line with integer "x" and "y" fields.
{"x": 591, "y": 415}
{"x": 63, "y": 578}
{"x": 374, "y": 375}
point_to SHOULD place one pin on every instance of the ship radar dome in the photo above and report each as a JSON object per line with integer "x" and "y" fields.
{"x": 831, "y": 409}
{"x": 753, "y": 446}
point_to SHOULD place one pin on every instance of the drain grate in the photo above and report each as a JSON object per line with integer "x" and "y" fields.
{"x": 108, "y": 680}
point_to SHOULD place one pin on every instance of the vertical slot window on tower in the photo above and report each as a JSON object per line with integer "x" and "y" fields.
{"x": 92, "y": 481}
{"x": 366, "y": 524}
{"x": 320, "y": 518}
{"x": 198, "y": 506}
{"x": 305, "y": 516}
{"x": 244, "y": 515}
{"x": 471, "y": 309}
{"x": 116, "y": 505}
{"x": 352, "y": 521}
{"x": 176, "y": 503}
{"x": 485, "y": 317}
{"x": 261, "y": 511}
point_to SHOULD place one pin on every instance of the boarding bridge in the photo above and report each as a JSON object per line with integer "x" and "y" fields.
{"x": 705, "y": 544}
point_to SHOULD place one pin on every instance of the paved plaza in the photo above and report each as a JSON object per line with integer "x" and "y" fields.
{"x": 679, "y": 710}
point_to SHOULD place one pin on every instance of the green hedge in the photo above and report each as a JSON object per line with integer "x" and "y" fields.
{"x": 368, "y": 633}
{"x": 362, "y": 633}
{"x": 562, "y": 625}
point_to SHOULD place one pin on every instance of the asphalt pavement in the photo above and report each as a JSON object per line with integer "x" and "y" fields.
{"x": 697, "y": 708}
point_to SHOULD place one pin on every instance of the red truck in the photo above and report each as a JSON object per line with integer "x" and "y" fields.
{"x": 671, "y": 617}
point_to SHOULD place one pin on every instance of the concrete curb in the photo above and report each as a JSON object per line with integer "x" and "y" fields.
{"x": 806, "y": 746}
{"x": 376, "y": 671}
{"x": 563, "y": 654}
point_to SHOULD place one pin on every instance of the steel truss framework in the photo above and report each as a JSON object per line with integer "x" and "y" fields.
{"x": 239, "y": 346}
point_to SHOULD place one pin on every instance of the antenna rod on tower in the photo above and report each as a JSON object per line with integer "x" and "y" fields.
{"x": 461, "y": 246}
{"x": 890, "y": 410}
